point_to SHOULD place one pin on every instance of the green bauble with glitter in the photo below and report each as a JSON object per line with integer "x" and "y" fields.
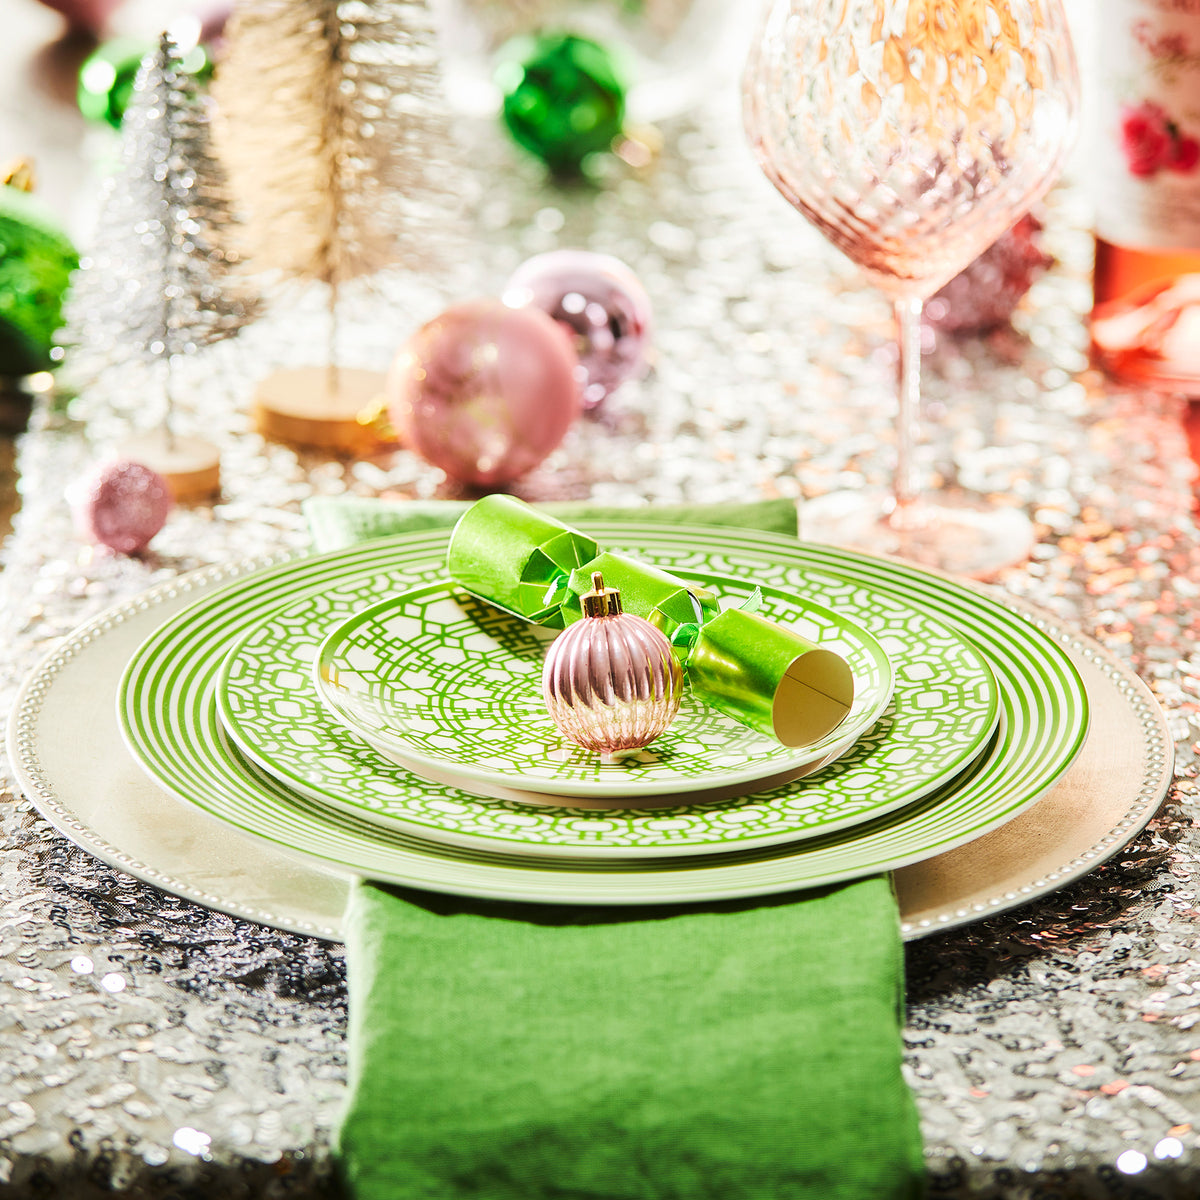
{"x": 36, "y": 261}
{"x": 563, "y": 98}
{"x": 106, "y": 79}
{"x": 108, "y": 74}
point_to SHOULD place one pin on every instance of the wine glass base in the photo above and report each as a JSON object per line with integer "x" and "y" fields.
{"x": 958, "y": 536}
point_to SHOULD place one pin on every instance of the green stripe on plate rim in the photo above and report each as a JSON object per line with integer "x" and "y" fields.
{"x": 168, "y": 716}
{"x": 328, "y": 763}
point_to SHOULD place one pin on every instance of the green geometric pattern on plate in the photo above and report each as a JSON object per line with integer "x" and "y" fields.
{"x": 447, "y": 680}
{"x": 944, "y": 708}
{"x": 169, "y": 719}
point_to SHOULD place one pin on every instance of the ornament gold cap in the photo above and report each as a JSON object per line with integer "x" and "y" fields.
{"x": 601, "y": 601}
{"x": 376, "y": 419}
{"x": 19, "y": 174}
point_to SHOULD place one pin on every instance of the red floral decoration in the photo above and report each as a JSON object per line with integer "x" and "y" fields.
{"x": 1151, "y": 141}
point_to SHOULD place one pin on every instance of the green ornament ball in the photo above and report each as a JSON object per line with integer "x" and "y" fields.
{"x": 106, "y": 79}
{"x": 563, "y": 98}
{"x": 108, "y": 74}
{"x": 36, "y": 261}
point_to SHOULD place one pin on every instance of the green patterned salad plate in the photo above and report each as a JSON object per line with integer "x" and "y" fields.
{"x": 168, "y": 712}
{"x": 944, "y": 709}
{"x": 446, "y": 681}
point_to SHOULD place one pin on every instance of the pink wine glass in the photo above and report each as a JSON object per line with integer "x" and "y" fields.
{"x": 913, "y": 133}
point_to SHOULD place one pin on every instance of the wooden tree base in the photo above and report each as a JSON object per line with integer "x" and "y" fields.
{"x": 190, "y": 465}
{"x": 297, "y": 406}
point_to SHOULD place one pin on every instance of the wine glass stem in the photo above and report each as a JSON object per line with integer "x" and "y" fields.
{"x": 905, "y": 486}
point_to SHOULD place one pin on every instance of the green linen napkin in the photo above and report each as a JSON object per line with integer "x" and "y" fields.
{"x": 336, "y": 521}
{"x": 743, "y": 1050}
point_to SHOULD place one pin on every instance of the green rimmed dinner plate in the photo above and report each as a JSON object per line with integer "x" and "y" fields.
{"x": 444, "y": 680}
{"x": 168, "y": 715}
{"x": 945, "y": 708}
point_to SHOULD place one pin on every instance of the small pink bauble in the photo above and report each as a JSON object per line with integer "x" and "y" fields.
{"x": 602, "y": 305}
{"x": 484, "y": 391}
{"x": 121, "y": 505}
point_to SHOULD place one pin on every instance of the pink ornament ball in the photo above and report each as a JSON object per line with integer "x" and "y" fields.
{"x": 601, "y": 304}
{"x": 484, "y": 391}
{"x": 88, "y": 16}
{"x": 120, "y": 505}
{"x": 213, "y": 17}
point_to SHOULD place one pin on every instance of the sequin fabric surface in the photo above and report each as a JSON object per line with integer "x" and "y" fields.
{"x": 154, "y": 1048}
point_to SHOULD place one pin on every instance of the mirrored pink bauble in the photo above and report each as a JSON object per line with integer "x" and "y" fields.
{"x": 603, "y": 306}
{"x": 120, "y": 505}
{"x": 484, "y": 391}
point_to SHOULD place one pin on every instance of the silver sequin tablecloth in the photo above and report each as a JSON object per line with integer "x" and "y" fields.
{"x": 155, "y": 1048}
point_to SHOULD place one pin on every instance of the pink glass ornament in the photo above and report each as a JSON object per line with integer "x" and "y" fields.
{"x": 88, "y": 16}
{"x": 484, "y": 391}
{"x": 213, "y": 17}
{"x": 120, "y": 505}
{"x": 611, "y": 681}
{"x": 601, "y": 304}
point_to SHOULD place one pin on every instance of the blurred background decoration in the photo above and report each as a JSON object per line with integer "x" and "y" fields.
{"x": 341, "y": 155}
{"x": 663, "y": 50}
{"x": 36, "y": 262}
{"x": 163, "y": 281}
{"x": 340, "y": 124}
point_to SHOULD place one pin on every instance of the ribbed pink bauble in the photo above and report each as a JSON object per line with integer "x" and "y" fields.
{"x": 121, "y": 505}
{"x": 611, "y": 681}
{"x": 485, "y": 391}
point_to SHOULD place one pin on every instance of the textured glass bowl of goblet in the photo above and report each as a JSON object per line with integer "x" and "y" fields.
{"x": 912, "y": 133}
